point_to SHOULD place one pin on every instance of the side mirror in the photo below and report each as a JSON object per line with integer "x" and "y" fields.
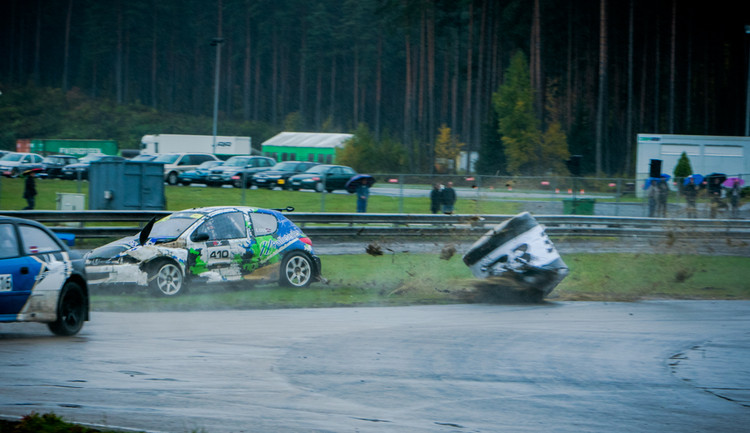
{"x": 200, "y": 237}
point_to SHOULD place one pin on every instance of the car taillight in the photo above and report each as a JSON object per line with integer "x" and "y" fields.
{"x": 308, "y": 241}
{"x": 235, "y": 177}
{"x": 315, "y": 178}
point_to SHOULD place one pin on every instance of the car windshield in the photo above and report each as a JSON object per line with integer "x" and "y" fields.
{"x": 174, "y": 225}
{"x": 143, "y": 158}
{"x": 318, "y": 169}
{"x": 285, "y": 166}
{"x": 92, "y": 157}
{"x": 12, "y": 157}
{"x": 236, "y": 162}
{"x": 167, "y": 159}
{"x": 209, "y": 164}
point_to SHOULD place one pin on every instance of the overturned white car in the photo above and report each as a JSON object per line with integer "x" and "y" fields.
{"x": 517, "y": 255}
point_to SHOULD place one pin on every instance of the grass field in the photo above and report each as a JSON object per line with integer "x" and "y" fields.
{"x": 182, "y": 197}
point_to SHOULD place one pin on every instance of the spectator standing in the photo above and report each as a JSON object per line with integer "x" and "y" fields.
{"x": 363, "y": 192}
{"x": 734, "y": 199}
{"x": 661, "y": 198}
{"x": 29, "y": 190}
{"x": 652, "y": 197}
{"x": 436, "y": 198}
{"x": 449, "y": 198}
{"x": 691, "y": 194}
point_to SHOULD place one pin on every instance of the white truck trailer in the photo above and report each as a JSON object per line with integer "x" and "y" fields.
{"x": 180, "y": 143}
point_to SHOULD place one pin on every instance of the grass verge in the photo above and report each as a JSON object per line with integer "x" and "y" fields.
{"x": 419, "y": 279}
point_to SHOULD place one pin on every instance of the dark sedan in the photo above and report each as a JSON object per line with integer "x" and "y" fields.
{"x": 54, "y": 164}
{"x": 81, "y": 169}
{"x": 200, "y": 174}
{"x": 280, "y": 173}
{"x": 322, "y": 177}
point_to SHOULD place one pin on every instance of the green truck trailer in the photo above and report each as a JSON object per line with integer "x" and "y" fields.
{"x": 77, "y": 148}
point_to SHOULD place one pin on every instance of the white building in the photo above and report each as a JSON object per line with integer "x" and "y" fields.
{"x": 707, "y": 154}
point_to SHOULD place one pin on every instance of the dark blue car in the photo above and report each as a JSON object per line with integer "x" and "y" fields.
{"x": 41, "y": 280}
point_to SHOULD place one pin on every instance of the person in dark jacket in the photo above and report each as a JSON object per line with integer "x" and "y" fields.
{"x": 29, "y": 190}
{"x": 436, "y": 198}
{"x": 449, "y": 198}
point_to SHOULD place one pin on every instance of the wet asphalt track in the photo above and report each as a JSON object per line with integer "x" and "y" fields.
{"x": 666, "y": 366}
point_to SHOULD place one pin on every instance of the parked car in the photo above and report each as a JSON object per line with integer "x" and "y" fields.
{"x": 280, "y": 173}
{"x": 15, "y": 163}
{"x": 235, "y": 166}
{"x": 199, "y": 175}
{"x": 41, "y": 280}
{"x": 53, "y": 164}
{"x": 176, "y": 163}
{"x": 322, "y": 177}
{"x": 143, "y": 157}
{"x": 212, "y": 244}
{"x": 81, "y": 168}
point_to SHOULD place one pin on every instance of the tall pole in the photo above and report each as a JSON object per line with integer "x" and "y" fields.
{"x": 747, "y": 89}
{"x": 216, "y": 43}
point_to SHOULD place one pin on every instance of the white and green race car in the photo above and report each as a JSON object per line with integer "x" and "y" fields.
{"x": 211, "y": 244}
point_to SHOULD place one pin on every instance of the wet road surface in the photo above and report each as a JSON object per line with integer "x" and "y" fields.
{"x": 667, "y": 366}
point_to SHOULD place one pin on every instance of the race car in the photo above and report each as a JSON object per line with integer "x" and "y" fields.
{"x": 41, "y": 280}
{"x": 211, "y": 244}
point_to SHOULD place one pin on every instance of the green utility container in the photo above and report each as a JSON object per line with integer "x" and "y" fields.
{"x": 77, "y": 148}
{"x": 578, "y": 206}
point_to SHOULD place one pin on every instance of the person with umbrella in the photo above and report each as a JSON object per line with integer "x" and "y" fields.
{"x": 360, "y": 184}
{"x": 735, "y": 188}
{"x": 29, "y": 190}
{"x": 690, "y": 190}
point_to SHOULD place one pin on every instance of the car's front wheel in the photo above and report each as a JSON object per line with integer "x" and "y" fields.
{"x": 172, "y": 178}
{"x": 296, "y": 270}
{"x": 167, "y": 279}
{"x": 71, "y": 310}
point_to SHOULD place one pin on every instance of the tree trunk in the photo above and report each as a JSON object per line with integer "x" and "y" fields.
{"x": 672, "y": 72}
{"x": 602, "y": 84}
{"x": 246, "y": 67}
{"x": 66, "y": 58}
{"x": 118, "y": 54}
{"x": 467, "y": 104}
{"x": 629, "y": 115}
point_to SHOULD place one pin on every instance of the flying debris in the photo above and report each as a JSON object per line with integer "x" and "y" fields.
{"x": 517, "y": 255}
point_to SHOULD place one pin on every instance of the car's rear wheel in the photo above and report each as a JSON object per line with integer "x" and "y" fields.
{"x": 71, "y": 310}
{"x": 172, "y": 178}
{"x": 14, "y": 172}
{"x": 319, "y": 187}
{"x": 296, "y": 270}
{"x": 166, "y": 279}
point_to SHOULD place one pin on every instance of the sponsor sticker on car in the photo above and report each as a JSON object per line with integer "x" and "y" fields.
{"x": 6, "y": 282}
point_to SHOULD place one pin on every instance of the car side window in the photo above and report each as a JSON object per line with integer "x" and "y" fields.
{"x": 185, "y": 160}
{"x": 8, "y": 241}
{"x": 263, "y": 223}
{"x": 230, "y": 225}
{"x": 37, "y": 241}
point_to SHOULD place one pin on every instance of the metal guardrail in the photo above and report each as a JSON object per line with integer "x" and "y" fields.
{"x": 89, "y": 224}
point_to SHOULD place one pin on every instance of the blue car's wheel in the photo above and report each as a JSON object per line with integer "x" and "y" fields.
{"x": 296, "y": 270}
{"x": 71, "y": 311}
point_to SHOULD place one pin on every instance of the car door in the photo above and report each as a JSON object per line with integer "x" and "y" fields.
{"x": 17, "y": 273}
{"x": 223, "y": 243}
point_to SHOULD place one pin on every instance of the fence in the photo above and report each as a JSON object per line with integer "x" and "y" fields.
{"x": 87, "y": 224}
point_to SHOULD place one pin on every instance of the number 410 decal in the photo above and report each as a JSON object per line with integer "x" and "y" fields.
{"x": 218, "y": 254}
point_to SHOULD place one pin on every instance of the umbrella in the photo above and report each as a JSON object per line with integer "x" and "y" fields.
{"x": 651, "y": 180}
{"x": 357, "y": 180}
{"x": 697, "y": 179}
{"x": 731, "y": 181}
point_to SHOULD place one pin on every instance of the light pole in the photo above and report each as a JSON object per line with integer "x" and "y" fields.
{"x": 747, "y": 89}
{"x": 216, "y": 42}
